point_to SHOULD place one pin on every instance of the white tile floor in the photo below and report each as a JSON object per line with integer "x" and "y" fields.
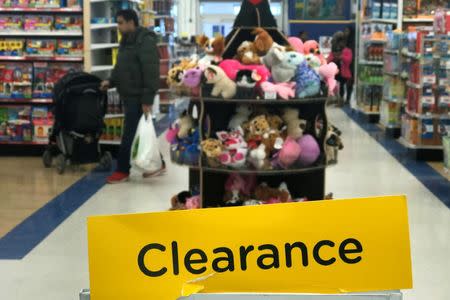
{"x": 57, "y": 269}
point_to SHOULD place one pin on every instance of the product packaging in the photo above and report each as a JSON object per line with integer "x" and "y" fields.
{"x": 40, "y": 47}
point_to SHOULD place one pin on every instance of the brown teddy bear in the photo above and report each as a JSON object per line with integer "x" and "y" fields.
{"x": 265, "y": 193}
{"x": 246, "y": 54}
{"x": 212, "y": 148}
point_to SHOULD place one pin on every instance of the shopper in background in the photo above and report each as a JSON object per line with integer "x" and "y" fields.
{"x": 136, "y": 77}
{"x": 342, "y": 55}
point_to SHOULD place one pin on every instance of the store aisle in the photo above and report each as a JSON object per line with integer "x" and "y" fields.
{"x": 57, "y": 268}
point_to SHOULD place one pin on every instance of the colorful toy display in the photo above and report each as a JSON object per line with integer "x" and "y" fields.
{"x": 45, "y": 3}
{"x": 15, "y": 123}
{"x": 11, "y": 47}
{"x": 40, "y": 47}
{"x": 69, "y": 23}
{"x": 47, "y": 74}
{"x": 15, "y": 80}
{"x": 38, "y": 23}
{"x": 11, "y": 23}
{"x": 71, "y": 48}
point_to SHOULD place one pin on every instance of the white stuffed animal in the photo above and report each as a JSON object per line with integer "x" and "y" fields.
{"x": 242, "y": 115}
{"x": 223, "y": 86}
{"x": 258, "y": 157}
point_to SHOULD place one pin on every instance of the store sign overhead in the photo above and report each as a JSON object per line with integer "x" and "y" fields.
{"x": 315, "y": 247}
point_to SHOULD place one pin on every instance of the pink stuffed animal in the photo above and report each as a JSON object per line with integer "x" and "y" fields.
{"x": 285, "y": 90}
{"x": 193, "y": 202}
{"x": 297, "y": 44}
{"x": 235, "y": 151}
{"x": 288, "y": 155}
{"x": 312, "y": 47}
{"x": 233, "y": 66}
{"x": 172, "y": 133}
{"x": 328, "y": 73}
{"x": 245, "y": 184}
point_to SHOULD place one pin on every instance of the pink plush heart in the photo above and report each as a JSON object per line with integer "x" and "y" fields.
{"x": 255, "y": 2}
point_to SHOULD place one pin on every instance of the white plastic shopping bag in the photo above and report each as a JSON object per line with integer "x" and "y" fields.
{"x": 145, "y": 155}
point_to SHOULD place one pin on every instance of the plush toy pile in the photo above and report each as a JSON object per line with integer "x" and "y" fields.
{"x": 184, "y": 139}
{"x": 244, "y": 190}
{"x": 263, "y": 140}
{"x": 261, "y": 69}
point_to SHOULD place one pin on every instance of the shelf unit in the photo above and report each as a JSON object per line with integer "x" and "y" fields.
{"x": 34, "y": 62}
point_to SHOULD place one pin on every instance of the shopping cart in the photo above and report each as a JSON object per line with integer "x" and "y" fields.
{"x": 385, "y": 295}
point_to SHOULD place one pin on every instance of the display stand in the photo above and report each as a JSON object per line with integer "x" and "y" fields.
{"x": 388, "y": 295}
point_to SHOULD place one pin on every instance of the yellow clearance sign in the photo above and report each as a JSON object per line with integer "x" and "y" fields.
{"x": 314, "y": 247}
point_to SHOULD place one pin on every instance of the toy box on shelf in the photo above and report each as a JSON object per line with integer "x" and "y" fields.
{"x": 42, "y": 121}
{"x": 15, "y": 80}
{"x": 14, "y": 3}
{"x": 45, "y": 3}
{"x": 11, "y": 23}
{"x": 43, "y": 23}
{"x": 12, "y": 47}
{"x": 68, "y": 23}
{"x": 113, "y": 129}
{"x": 47, "y": 74}
{"x": 69, "y": 48}
{"x": 15, "y": 124}
{"x": 40, "y": 47}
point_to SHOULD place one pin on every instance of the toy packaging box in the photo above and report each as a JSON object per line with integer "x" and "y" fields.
{"x": 47, "y": 74}
{"x": 11, "y": 47}
{"x": 15, "y": 80}
{"x": 42, "y": 121}
{"x": 38, "y": 23}
{"x": 71, "y": 48}
{"x": 15, "y": 124}
{"x": 45, "y": 3}
{"x": 40, "y": 47}
{"x": 11, "y": 23}
{"x": 69, "y": 23}
{"x": 14, "y": 3}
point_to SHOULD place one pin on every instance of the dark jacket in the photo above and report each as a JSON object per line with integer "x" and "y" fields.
{"x": 136, "y": 73}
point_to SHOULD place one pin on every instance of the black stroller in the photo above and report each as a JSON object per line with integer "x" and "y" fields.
{"x": 80, "y": 107}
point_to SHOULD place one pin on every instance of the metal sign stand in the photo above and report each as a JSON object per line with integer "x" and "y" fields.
{"x": 386, "y": 295}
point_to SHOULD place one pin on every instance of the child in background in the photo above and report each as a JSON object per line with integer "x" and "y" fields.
{"x": 342, "y": 55}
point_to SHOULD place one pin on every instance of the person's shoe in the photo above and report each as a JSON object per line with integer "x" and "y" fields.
{"x": 117, "y": 177}
{"x": 157, "y": 172}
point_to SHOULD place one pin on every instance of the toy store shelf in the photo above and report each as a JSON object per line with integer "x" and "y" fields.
{"x": 26, "y": 101}
{"x": 427, "y": 115}
{"x": 308, "y": 101}
{"x": 23, "y": 143}
{"x": 42, "y": 33}
{"x": 371, "y": 63}
{"x": 418, "y": 20}
{"x": 42, "y": 10}
{"x": 412, "y": 146}
{"x": 108, "y": 142}
{"x": 39, "y": 58}
{"x": 276, "y": 172}
{"x": 384, "y": 21}
{"x": 113, "y": 116}
{"x": 103, "y": 26}
{"x": 101, "y": 68}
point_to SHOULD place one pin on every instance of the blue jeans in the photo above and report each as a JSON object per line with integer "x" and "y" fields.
{"x": 133, "y": 113}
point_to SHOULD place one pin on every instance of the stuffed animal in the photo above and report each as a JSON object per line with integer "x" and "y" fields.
{"x": 285, "y": 70}
{"x": 179, "y": 201}
{"x": 313, "y": 62}
{"x": 245, "y": 184}
{"x": 275, "y": 122}
{"x": 247, "y": 54}
{"x": 312, "y": 47}
{"x": 186, "y": 123}
{"x": 308, "y": 81}
{"x": 284, "y": 90}
{"x": 288, "y": 155}
{"x": 172, "y": 133}
{"x": 258, "y": 157}
{"x": 175, "y": 76}
{"x": 297, "y": 44}
{"x": 285, "y": 190}
{"x": 294, "y": 125}
{"x": 265, "y": 193}
{"x": 246, "y": 81}
{"x": 231, "y": 67}
{"x": 241, "y": 116}
{"x": 192, "y": 77}
{"x": 235, "y": 149}
{"x": 213, "y": 48}
{"x": 193, "y": 202}
{"x": 263, "y": 41}
{"x": 328, "y": 73}
{"x": 257, "y": 128}
{"x": 333, "y": 143}
{"x": 212, "y": 148}
{"x": 223, "y": 86}
{"x": 310, "y": 150}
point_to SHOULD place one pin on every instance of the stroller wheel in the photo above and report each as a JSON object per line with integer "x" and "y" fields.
{"x": 47, "y": 158}
{"x": 60, "y": 163}
{"x": 106, "y": 161}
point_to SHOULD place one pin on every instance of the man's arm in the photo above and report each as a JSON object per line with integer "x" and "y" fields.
{"x": 149, "y": 61}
